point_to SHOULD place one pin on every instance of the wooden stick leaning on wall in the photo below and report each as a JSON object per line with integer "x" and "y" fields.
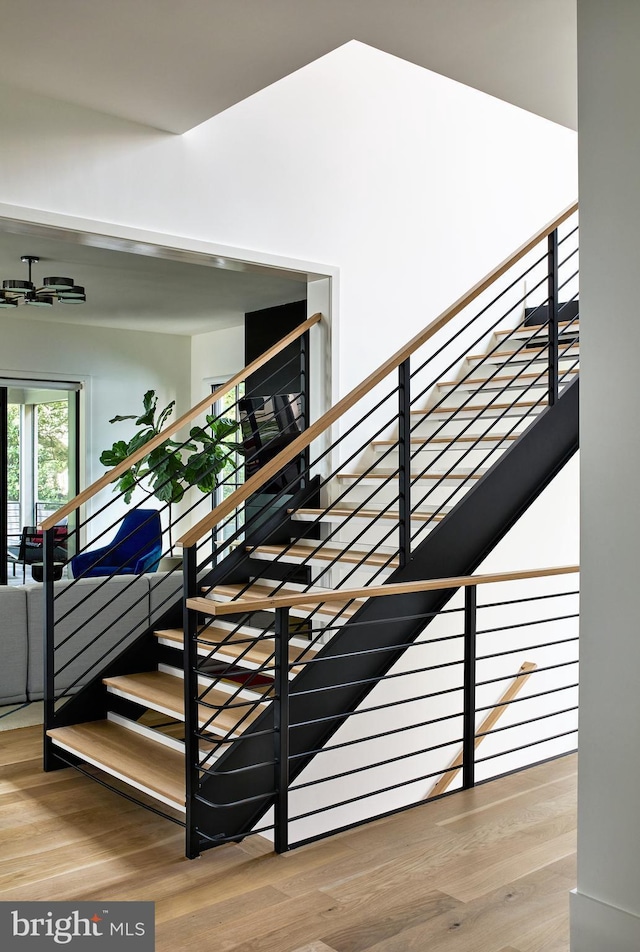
{"x": 494, "y": 715}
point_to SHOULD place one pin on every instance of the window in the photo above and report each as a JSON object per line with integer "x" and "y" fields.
{"x": 232, "y": 476}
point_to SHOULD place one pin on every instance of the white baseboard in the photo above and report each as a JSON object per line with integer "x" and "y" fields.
{"x": 599, "y": 927}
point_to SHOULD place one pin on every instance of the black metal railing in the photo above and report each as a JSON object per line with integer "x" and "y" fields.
{"x": 438, "y": 720}
{"x": 539, "y": 367}
{"x": 348, "y": 508}
{"x": 101, "y": 608}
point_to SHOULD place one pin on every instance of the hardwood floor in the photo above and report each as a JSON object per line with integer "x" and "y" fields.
{"x": 486, "y": 870}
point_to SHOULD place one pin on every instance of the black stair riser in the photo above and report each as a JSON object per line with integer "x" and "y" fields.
{"x": 568, "y": 311}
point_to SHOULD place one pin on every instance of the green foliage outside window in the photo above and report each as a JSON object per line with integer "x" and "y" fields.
{"x": 53, "y": 451}
{"x": 52, "y": 442}
{"x": 13, "y": 447}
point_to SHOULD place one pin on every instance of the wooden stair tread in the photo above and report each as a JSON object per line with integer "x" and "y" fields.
{"x": 232, "y": 644}
{"x": 327, "y": 554}
{"x": 539, "y": 329}
{"x": 158, "y": 771}
{"x": 476, "y": 408}
{"x": 515, "y": 378}
{"x": 524, "y": 352}
{"x": 260, "y": 591}
{"x": 165, "y": 692}
{"x": 394, "y": 474}
{"x": 365, "y": 514}
{"x": 424, "y": 442}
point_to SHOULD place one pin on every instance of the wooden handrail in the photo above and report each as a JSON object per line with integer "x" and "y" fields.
{"x": 111, "y": 475}
{"x": 255, "y": 482}
{"x": 494, "y": 715}
{"x": 210, "y": 607}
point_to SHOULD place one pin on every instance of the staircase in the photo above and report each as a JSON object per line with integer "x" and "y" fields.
{"x": 429, "y": 477}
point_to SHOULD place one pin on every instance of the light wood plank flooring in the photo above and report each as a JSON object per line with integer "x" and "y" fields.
{"x": 487, "y": 870}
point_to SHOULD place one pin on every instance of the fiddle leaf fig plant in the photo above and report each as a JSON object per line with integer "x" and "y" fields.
{"x": 171, "y": 468}
{"x": 164, "y": 466}
{"x": 206, "y": 463}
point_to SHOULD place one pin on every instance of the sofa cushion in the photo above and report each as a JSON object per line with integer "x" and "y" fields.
{"x": 13, "y": 646}
{"x": 85, "y": 609}
{"x": 165, "y": 589}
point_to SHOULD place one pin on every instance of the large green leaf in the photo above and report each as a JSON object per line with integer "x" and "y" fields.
{"x": 208, "y": 453}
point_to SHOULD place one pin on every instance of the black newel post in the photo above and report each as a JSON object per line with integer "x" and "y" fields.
{"x": 281, "y": 725}
{"x": 469, "y": 733}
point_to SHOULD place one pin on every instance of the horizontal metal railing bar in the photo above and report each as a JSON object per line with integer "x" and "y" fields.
{"x": 221, "y": 741}
{"x": 187, "y": 417}
{"x": 514, "y": 403}
{"x": 527, "y": 598}
{"x": 334, "y": 413}
{"x": 375, "y": 651}
{"x": 372, "y": 793}
{"x": 495, "y": 324}
{"x": 469, "y": 347}
{"x": 523, "y": 347}
{"x": 378, "y": 707}
{"x": 417, "y": 803}
{"x": 271, "y": 732}
{"x": 530, "y": 720}
{"x": 531, "y": 697}
{"x": 539, "y": 670}
{"x": 418, "y": 617}
{"x": 562, "y": 240}
{"x": 336, "y": 686}
{"x": 566, "y": 281}
{"x": 408, "y": 782}
{"x": 532, "y": 743}
{"x": 386, "y": 621}
{"x": 490, "y": 425}
{"x": 221, "y": 839}
{"x": 523, "y": 648}
{"x": 240, "y": 770}
{"x": 496, "y": 348}
{"x": 421, "y": 697}
{"x": 222, "y": 806}
{"x": 377, "y": 736}
{"x": 526, "y": 624}
{"x": 373, "y": 766}
{"x": 207, "y": 606}
{"x": 562, "y": 263}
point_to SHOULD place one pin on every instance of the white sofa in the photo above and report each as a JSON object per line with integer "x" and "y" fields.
{"x": 117, "y": 611}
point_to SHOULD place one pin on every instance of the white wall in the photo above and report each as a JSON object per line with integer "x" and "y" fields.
{"x": 412, "y": 184}
{"x": 215, "y": 356}
{"x": 117, "y": 367}
{"x": 606, "y": 909}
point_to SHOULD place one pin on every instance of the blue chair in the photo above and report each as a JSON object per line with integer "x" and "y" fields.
{"x": 136, "y": 548}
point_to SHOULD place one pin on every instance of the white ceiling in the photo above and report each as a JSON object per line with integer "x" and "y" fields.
{"x": 139, "y": 292}
{"x": 172, "y": 64}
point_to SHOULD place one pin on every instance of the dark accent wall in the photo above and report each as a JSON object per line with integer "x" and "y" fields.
{"x": 264, "y": 328}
